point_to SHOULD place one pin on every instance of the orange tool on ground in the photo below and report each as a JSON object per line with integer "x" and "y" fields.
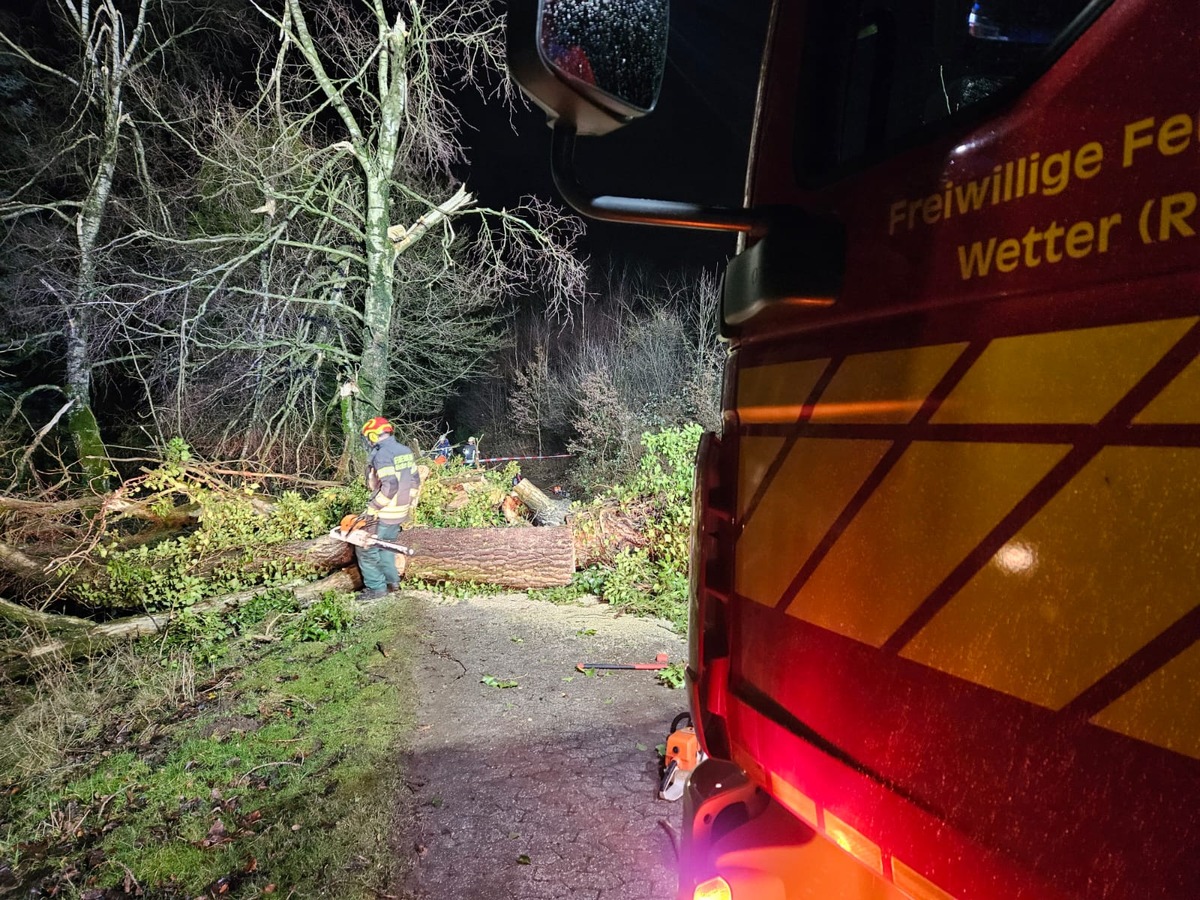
{"x": 660, "y": 662}
{"x": 680, "y": 758}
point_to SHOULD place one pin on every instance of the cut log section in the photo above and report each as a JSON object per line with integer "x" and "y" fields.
{"x": 510, "y": 508}
{"x": 512, "y": 557}
{"x": 603, "y": 530}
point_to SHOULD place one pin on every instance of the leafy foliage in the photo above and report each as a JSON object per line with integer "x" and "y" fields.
{"x": 651, "y": 580}
{"x": 493, "y": 681}
{"x": 229, "y": 550}
{"x": 203, "y": 635}
{"x": 672, "y": 676}
{"x": 207, "y": 635}
{"x": 442, "y": 506}
{"x": 329, "y": 616}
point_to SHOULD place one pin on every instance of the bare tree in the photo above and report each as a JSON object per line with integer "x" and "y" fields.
{"x": 535, "y": 403}
{"x": 645, "y": 354}
{"x": 60, "y": 205}
{"x": 386, "y": 84}
{"x": 332, "y": 264}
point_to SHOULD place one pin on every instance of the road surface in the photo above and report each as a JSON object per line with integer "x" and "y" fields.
{"x": 544, "y": 790}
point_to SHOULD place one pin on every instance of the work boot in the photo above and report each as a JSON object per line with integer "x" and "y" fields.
{"x": 368, "y": 594}
{"x": 393, "y": 588}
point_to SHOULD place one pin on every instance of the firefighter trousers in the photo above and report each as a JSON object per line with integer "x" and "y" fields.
{"x": 378, "y": 566}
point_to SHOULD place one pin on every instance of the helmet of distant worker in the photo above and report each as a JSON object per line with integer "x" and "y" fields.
{"x": 375, "y": 429}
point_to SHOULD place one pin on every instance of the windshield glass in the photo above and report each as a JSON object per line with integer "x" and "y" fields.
{"x": 878, "y": 72}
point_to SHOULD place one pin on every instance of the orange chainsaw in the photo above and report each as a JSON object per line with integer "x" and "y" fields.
{"x": 681, "y": 755}
{"x": 353, "y": 530}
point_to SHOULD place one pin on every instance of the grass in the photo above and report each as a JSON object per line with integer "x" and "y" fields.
{"x": 274, "y": 773}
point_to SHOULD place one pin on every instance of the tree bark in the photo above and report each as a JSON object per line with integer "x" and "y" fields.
{"x": 546, "y": 510}
{"x": 323, "y": 553}
{"x": 113, "y": 506}
{"x": 71, "y": 638}
{"x": 513, "y": 557}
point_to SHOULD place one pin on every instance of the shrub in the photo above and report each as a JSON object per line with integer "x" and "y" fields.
{"x": 604, "y": 448}
{"x": 653, "y": 579}
{"x": 330, "y": 615}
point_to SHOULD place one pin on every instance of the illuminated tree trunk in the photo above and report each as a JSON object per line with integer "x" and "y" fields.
{"x": 546, "y": 510}
{"x": 519, "y": 558}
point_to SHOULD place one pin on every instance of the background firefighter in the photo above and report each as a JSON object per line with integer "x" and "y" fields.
{"x": 392, "y": 480}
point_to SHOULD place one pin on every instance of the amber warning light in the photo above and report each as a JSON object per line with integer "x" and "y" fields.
{"x": 713, "y": 889}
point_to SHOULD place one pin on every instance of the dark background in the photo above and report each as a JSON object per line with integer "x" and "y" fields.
{"x": 693, "y": 147}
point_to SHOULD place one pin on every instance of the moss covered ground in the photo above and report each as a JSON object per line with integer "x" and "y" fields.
{"x": 272, "y": 771}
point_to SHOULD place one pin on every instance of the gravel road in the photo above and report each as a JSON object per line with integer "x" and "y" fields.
{"x": 545, "y": 790}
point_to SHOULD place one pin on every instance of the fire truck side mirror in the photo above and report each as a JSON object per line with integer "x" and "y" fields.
{"x": 591, "y": 66}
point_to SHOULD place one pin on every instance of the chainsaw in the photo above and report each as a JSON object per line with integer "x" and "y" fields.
{"x": 681, "y": 755}
{"x": 353, "y": 530}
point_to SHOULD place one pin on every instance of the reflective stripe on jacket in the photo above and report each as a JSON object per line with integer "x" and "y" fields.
{"x": 392, "y": 478}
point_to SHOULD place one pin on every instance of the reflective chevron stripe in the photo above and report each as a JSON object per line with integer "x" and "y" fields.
{"x": 1021, "y": 513}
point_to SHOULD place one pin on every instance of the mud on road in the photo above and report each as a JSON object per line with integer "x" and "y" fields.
{"x": 545, "y": 790}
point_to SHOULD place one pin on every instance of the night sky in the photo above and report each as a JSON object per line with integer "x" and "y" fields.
{"x": 693, "y": 147}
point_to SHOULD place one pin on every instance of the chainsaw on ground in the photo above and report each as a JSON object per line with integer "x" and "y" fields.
{"x": 681, "y": 755}
{"x": 353, "y": 530}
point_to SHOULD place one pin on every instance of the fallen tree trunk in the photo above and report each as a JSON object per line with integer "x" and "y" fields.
{"x": 70, "y": 637}
{"x": 520, "y": 558}
{"x": 113, "y": 506}
{"x": 513, "y": 557}
{"x": 546, "y": 510}
{"x": 322, "y": 555}
{"x": 18, "y": 563}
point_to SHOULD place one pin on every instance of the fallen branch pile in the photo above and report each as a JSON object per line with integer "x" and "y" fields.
{"x": 37, "y": 565}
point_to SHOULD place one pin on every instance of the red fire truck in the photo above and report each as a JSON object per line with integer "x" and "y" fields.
{"x": 946, "y": 572}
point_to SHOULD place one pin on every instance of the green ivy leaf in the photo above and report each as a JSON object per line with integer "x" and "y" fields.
{"x": 493, "y": 681}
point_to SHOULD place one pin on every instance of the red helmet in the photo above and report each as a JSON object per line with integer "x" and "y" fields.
{"x": 376, "y": 428}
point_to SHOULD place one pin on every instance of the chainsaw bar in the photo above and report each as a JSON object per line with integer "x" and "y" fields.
{"x": 360, "y": 538}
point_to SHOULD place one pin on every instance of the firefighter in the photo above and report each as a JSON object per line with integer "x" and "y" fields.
{"x": 470, "y": 452}
{"x": 392, "y": 480}
{"x": 441, "y": 450}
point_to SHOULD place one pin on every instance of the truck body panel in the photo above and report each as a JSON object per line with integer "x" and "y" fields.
{"x": 947, "y": 613}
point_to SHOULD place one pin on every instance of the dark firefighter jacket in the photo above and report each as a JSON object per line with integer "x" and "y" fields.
{"x": 392, "y": 479}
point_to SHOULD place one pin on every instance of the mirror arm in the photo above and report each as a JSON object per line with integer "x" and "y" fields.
{"x": 645, "y": 212}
